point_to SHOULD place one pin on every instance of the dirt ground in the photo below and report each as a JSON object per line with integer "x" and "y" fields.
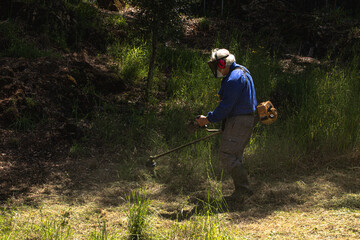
{"x": 40, "y": 101}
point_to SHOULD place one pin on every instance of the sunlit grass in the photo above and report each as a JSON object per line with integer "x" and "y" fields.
{"x": 132, "y": 60}
{"x": 138, "y": 216}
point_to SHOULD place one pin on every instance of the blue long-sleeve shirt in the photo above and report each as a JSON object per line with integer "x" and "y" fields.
{"x": 237, "y": 95}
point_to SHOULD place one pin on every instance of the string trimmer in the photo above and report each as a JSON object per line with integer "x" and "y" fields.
{"x": 152, "y": 162}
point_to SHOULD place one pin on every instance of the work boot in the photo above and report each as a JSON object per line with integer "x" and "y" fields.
{"x": 241, "y": 182}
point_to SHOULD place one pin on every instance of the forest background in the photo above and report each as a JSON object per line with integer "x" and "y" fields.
{"x": 91, "y": 89}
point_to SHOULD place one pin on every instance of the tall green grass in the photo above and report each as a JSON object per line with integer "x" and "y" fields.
{"x": 132, "y": 60}
{"x": 102, "y": 232}
{"x": 317, "y": 107}
{"x": 318, "y": 114}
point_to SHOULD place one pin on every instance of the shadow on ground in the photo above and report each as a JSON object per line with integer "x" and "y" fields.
{"x": 107, "y": 183}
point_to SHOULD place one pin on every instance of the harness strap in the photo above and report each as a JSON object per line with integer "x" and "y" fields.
{"x": 244, "y": 71}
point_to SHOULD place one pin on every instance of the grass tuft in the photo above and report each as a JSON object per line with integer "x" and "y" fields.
{"x": 138, "y": 215}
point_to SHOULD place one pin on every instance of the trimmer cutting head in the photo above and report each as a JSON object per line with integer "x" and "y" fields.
{"x": 151, "y": 163}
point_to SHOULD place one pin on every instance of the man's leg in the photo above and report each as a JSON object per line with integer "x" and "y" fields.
{"x": 236, "y": 136}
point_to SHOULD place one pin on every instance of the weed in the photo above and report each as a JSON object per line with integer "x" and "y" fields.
{"x": 132, "y": 60}
{"x": 23, "y": 123}
{"x": 138, "y": 215}
{"x": 200, "y": 227}
{"x": 53, "y": 229}
{"x": 216, "y": 202}
{"x": 102, "y": 232}
{"x": 117, "y": 21}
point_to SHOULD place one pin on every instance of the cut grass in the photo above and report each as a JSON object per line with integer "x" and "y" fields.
{"x": 310, "y": 224}
{"x": 324, "y": 204}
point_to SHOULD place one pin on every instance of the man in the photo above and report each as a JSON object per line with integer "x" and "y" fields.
{"x": 236, "y": 108}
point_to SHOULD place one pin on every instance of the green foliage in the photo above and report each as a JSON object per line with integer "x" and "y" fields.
{"x": 65, "y": 23}
{"x": 14, "y": 45}
{"x": 102, "y": 232}
{"x": 6, "y": 223}
{"x": 159, "y": 19}
{"x": 316, "y": 110}
{"x": 24, "y": 123}
{"x": 89, "y": 24}
{"x": 117, "y": 21}
{"x": 53, "y": 229}
{"x": 190, "y": 82}
{"x": 201, "y": 227}
{"x": 160, "y": 16}
{"x": 316, "y": 106}
{"x": 132, "y": 61}
{"x": 138, "y": 215}
{"x": 46, "y": 228}
{"x": 332, "y": 112}
{"x": 216, "y": 202}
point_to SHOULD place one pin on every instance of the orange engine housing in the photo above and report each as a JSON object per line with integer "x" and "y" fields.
{"x": 267, "y": 113}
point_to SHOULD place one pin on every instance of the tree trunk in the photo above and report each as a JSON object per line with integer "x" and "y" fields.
{"x": 151, "y": 65}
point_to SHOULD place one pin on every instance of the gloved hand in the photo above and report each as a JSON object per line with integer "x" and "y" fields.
{"x": 202, "y": 120}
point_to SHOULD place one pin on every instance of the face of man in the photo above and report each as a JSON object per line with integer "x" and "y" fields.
{"x": 223, "y": 71}
{"x": 217, "y": 71}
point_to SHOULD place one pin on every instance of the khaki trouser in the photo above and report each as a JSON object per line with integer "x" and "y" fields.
{"x": 235, "y": 137}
